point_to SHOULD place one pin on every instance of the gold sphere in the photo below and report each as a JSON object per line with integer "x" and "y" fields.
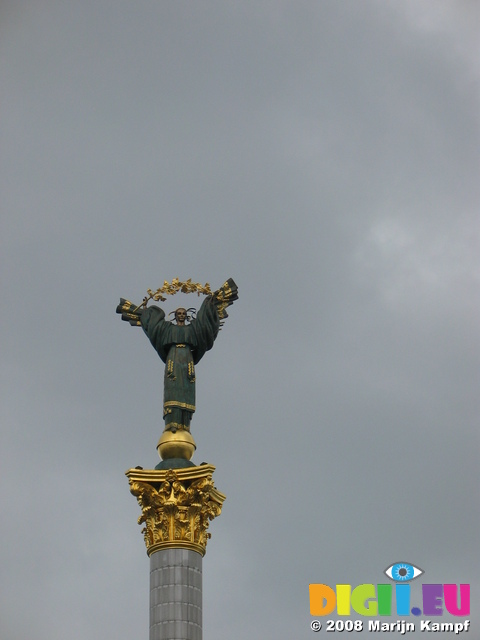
{"x": 176, "y": 445}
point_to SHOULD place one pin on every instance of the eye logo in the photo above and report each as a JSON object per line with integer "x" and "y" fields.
{"x": 403, "y": 572}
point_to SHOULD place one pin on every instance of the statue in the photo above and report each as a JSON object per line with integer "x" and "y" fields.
{"x": 181, "y": 345}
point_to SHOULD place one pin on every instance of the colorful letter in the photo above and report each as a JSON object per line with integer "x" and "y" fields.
{"x": 432, "y": 599}
{"x": 384, "y": 592}
{"x": 450, "y": 594}
{"x": 360, "y": 596}
{"x": 343, "y": 599}
{"x": 322, "y": 599}
{"x": 402, "y": 595}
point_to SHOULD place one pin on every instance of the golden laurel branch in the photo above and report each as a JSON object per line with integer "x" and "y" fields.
{"x": 173, "y": 287}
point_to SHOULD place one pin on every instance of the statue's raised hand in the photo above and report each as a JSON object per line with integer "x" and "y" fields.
{"x": 130, "y": 312}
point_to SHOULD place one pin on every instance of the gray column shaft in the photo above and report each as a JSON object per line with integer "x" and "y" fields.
{"x": 176, "y": 595}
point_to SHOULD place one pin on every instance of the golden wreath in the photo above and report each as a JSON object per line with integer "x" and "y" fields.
{"x": 173, "y": 287}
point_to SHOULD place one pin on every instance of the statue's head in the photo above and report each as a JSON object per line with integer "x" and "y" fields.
{"x": 180, "y": 316}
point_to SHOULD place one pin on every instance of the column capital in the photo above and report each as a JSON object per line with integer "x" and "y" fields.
{"x": 177, "y": 506}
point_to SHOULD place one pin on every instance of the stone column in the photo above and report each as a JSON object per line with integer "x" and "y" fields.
{"x": 177, "y": 505}
{"x": 176, "y": 595}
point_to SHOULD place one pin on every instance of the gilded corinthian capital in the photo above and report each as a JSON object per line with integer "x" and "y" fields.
{"x": 177, "y": 506}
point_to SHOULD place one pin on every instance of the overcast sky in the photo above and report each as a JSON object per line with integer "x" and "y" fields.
{"x": 323, "y": 154}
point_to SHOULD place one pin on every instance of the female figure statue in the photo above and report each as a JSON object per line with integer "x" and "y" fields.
{"x": 181, "y": 346}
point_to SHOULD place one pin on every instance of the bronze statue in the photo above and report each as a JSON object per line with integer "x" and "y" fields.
{"x": 181, "y": 345}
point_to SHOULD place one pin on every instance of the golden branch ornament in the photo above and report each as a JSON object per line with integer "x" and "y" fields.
{"x": 173, "y": 287}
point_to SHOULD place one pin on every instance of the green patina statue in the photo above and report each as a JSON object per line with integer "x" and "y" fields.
{"x": 181, "y": 346}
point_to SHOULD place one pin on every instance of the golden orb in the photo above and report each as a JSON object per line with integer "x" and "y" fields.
{"x": 176, "y": 445}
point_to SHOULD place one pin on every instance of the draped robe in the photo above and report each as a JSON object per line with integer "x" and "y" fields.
{"x": 180, "y": 348}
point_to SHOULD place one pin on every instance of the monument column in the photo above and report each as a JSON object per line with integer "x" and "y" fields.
{"x": 177, "y": 506}
{"x": 175, "y": 594}
{"x": 178, "y": 498}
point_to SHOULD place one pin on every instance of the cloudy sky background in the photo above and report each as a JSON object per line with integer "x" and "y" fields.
{"x": 325, "y": 156}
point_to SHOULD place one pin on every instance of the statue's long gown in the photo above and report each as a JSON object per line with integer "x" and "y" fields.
{"x": 180, "y": 348}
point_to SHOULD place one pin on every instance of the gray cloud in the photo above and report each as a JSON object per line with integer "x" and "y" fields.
{"x": 325, "y": 156}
